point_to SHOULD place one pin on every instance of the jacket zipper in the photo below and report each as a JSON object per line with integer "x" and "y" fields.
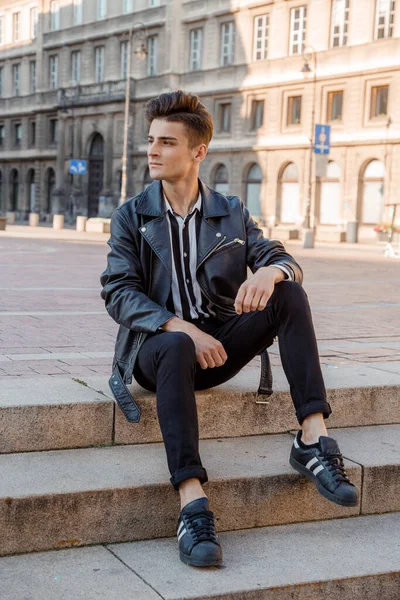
{"x": 235, "y": 241}
{"x": 221, "y": 245}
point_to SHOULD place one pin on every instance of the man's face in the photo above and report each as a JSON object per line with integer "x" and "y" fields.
{"x": 168, "y": 152}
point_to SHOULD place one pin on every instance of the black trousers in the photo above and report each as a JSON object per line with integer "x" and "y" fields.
{"x": 167, "y": 364}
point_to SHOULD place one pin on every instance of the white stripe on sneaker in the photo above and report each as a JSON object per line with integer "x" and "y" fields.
{"x": 296, "y": 445}
{"x": 311, "y": 462}
{"x": 182, "y": 533}
{"x": 182, "y": 524}
{"x": 318, "y": 470}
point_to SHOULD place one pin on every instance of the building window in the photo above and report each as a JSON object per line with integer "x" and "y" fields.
{"x": 127, "y": 6}
{"x": 32, "y": 76}
{"x": 75, "y": 67}
{"x": 32, "y": 133}
{"x": 227, "y": 43}
{"x": 99, "y": 64}
{"x": 379, "y": 101}
{"x": 298, "y": 24}
{"x": 1, "y": 31}
{"x": 2, "y": 135}
{"x": 124, "y": 59}
{"x": 384, "y": 18}
{"x": 257, "y": 114}
{"x": 33, "y": 22}
{"x": 224, "y": 117}
{"x": 196, "y": 44}
{"x": 152, "y": 51}
{"x": 16, "y": 23}
{"x": 1, "y": 82}
{"x": 294, "y": 110}
{"x": 335, "y": 106}
{"x": 54, "y": 16}
{"x": 53, "y": 131}
{"x": 16, "y": 70}
{"x": 221, "y": 180}
{"x": 154, "y": 3}
{"x": 17, "y": 135}
{"x": 53, "y": 72}
{"x": 101, "y": 9}
{"x": 260, "y": 37}
{"x": 340, "y": 21}
{"x": 77, "y": 12}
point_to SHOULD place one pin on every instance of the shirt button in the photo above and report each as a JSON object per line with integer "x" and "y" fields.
{"x": 185, "y": 254}
{"x": 187, "y": 280}
{"x": 143, "y": 229}
{"x": 218, "y": 234}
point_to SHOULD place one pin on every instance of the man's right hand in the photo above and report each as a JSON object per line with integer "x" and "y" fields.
{"x": 209, "y": 351}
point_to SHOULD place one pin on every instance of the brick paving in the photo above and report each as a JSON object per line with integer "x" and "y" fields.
{"x": 52, "y": 316}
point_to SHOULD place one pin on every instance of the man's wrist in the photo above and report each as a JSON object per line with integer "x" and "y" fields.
{"x": 279, "y": 275}
{"x": 177, "y": 324}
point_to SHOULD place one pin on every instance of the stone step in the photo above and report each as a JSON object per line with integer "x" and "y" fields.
{"x": 343, "y": 559}
{"x": 65, "y": 498}
{"x": 54, "y": 413}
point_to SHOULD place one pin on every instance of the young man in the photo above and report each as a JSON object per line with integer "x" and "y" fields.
{"x": 190, "y": 319}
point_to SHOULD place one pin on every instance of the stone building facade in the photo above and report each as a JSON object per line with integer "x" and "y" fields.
{"x": 63, "y": 67}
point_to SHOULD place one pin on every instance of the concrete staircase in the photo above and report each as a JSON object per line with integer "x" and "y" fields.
{"x": 75, "y": 473}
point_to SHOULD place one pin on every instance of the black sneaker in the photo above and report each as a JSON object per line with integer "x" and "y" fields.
{"x": 323, "y": 464}
{"x": 198, "y": 543}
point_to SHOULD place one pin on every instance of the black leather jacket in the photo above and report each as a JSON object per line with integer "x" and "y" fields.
{"x": 137, "y": 280}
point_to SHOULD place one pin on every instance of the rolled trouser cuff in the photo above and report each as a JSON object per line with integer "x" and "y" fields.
{"x": 317, "y": 406}
{"x": 188, "y": 473}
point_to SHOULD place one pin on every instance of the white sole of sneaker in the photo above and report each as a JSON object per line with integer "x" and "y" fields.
{"x": 328, "y": 495}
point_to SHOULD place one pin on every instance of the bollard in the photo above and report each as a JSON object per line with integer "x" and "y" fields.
{"x": 3, "y": 223}
{"x": 309, "y": 238}
{"x": 33, "y": 220}
{"x": 81, "y": 223}
{"x": 58, "y": 221}
{"x": 352, "y": 232}
{"x": 10, "y": 217}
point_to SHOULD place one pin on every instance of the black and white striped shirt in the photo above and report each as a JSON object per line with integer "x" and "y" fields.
{"x": 188, "y": 302}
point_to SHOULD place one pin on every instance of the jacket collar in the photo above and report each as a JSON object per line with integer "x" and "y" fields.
{"x": 152, "y": 203}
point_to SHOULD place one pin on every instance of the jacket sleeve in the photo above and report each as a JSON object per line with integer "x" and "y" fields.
{"x": 262, "y": 252}
{"x": 123, "y": 282}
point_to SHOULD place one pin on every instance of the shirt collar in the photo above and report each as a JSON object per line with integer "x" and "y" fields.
{"x": 169, "y": 208}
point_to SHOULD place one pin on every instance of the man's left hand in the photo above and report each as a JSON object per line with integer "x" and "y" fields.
{"x": 255, "y": 292}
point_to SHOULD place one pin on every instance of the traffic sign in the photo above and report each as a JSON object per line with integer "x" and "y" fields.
{"x": 77, "y": 167}
{"x": 322, "y": 143}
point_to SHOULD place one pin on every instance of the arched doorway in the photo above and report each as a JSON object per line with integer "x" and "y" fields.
{"x": 221, "y": 180}
{"x": 14, "y": 190}
{"x": 330, "y": 197}
{"x": 373, "y": 197}
{"x": 2, "y": 207}
{"x": 289, "y": 193}
{"x": 253, "y": 190}
{"x": 96, "y": 171}
{"x": 50, "y": 185}
{"x": 31, "y": 190}
{"x": 147, "y": 179}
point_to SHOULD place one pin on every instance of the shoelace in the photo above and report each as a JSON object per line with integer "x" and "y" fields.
{"x": 334, "y": 462}
{"x": 202, "y": 526}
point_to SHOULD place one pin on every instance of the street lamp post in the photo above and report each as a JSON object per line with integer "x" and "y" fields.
{"x": 310, "y": 55}
{"x": 141, "y": 52}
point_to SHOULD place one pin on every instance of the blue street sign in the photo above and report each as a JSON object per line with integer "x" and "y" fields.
{"x": 322, "y": 143}
{"x": 77, "y": 167}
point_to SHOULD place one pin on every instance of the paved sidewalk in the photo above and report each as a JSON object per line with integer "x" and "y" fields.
{"x": 53, "y": 321}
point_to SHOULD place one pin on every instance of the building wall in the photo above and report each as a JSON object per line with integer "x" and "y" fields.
{"x": 93, "y": 107}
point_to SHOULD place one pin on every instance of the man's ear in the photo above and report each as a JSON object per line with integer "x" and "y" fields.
{"x": 201, "y": 153}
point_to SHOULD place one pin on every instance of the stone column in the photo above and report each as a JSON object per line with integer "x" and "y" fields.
{"x": 59, "y": 198}
{"x": 106, "y": 204}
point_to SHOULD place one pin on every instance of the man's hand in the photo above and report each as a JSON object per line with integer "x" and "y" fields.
{"x": 255, "y": 292}
{"x": 209, "y": 351}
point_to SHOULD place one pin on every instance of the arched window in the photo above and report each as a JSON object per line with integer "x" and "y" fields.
{"x": 14, "y": 191}
{"x": 373, "y": 196}
{"x": 330, "y": 196}
{"x": 96, "y": 174}
{"x": 31, "y": 190}
{"x": 253, "y": 190}
{"x": 289, "y": 195}
{"x": 2, "y": 207}
{"x": 221, "y": 180}
{"x": 147, "y": 179}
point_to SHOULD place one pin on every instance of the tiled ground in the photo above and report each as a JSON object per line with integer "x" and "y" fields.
{"x": 53, "y": 321}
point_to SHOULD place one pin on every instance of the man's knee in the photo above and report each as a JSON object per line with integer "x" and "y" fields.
{"x": 291, "y": 294}
{"x": 177, "y": 345}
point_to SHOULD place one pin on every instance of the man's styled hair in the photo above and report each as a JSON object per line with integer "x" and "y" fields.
{"x": 186, "y": 108}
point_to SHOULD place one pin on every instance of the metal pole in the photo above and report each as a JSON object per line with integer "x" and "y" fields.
{"x": 126, "y": 120}
{"x": 71, "y": 200}
{"x": 307, "y": 224}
